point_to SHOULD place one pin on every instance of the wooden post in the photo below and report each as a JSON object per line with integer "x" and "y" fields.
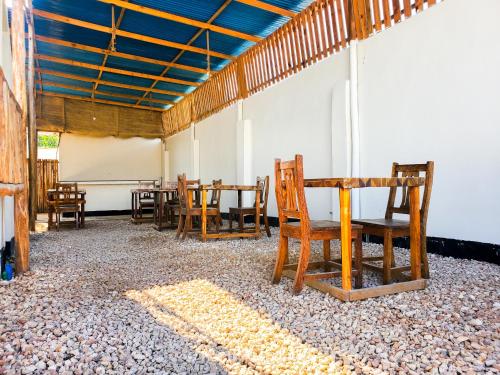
{"x": 21, "y": 227}
{"x": 203, "y": 215}
{"x": 415, "y": 249}
{"x": 345, "y": 237}
{"x": 33, "y": 148}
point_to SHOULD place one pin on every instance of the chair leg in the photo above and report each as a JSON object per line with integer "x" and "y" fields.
{"x": 230, "y": 222}
{"x": 281, "y": 259}
{"x": 305, "y": 252}
{"x": 425, "y": 261}
{"x": 387, "y": 262}
{"x": 217, "y": 223}
{"x": 326, "y": 254}
{"x": 188, "y": 224}
{"x": 266, "y": 223}
{"x": 58, "y": 220}
{"x": 240, "y": 222}
{"x": 180, "y": 225}
{"x": 76, "y": 220}
{"x": 358, "y": 261}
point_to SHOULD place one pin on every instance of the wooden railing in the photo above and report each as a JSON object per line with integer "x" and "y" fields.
{"x": 323, "y": 28}
{"x": 47, "y": 177}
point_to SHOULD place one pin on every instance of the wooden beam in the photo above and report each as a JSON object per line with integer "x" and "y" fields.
{"x": 107, "y": 83}
{"x": 127, "y": 34}
{"x": 191, "y": 41}
{"x": 110, "y": 46}
{"x": 32, "y": 133}
{"x": 81, "y": 64}
{"x": 268, "y": 7}
{"x": 103, "y": 101}
{"x": 184, "y": 20}
{"x": 21, "y": 217}
{"x": 107, "y": 93}
{"x": 122, "y": 55}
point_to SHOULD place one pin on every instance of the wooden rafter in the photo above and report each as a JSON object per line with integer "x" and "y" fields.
{"x": 122, "y": 55}
{"x": 76, "y": 77}
{"x": 187, "y": 21}
{"x": 81, "y": 64}
{"x": 127, "y": 34}
{"x": 103, "y": 101}
{"x": 110, "y": 48}
{"x": 195, "y": 36}
{"x": 270, "y": 8}
{"x": 97, "y": 92}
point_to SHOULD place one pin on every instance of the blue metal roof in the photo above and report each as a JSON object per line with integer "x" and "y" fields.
{"x": 235, "y": 16}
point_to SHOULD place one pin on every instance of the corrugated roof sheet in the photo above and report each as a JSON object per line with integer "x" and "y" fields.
{"x": 236, "y": 16}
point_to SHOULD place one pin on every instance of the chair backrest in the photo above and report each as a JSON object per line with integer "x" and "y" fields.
{"x": 215, "y": 199}
{"x": 290, "y": 194}
{"x": 66, "y": 193}
{"x": 182, "y": 190}
{"x": 263, "y": 182}
{"x": 410, "y": 170}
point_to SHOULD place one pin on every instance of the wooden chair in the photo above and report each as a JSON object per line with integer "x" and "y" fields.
{"x": 146, "y": 199}
{"x": 66, "y": 200}
{"x": 241, "y": 212}
{"x": 290, "y": 196}
{"x": 215, "y": 200}
{"x": 189, "y": 210}
{"x": 390, "y": 228}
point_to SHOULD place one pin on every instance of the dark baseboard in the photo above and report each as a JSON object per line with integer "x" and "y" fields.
{"x": 448, "y": 247}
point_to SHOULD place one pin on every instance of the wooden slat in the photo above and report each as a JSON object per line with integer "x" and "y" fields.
{"x": 127, "y": 34}
{"x": 377, "y": 15}
{"x": 180, "y": 19}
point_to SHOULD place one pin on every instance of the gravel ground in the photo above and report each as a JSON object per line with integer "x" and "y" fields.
{"x": 121, "y": 298}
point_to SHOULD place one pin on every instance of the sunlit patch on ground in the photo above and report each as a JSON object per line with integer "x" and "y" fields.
{"x": 202, "y": 311}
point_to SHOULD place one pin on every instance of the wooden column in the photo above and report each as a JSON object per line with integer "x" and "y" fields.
{"x": 21, "y": 219}
{"x": 32, "y": 133}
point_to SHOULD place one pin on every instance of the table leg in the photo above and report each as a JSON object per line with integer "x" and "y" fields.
{"x": 240, "y": 200}
{"x": 415, "y": 249}
{"x": 257, "y": 213}
{"x": 203, "y": 215}
{"x": 51, "y": 216}
{"x": 82, "y": 219}
{"x": 345, "y": 237}
{"x": 132, "y": 204}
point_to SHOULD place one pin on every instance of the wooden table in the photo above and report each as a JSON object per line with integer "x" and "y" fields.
{"x": 345, "y": 185}
{"x": 159, "y": 197}
{"x": 250, "y": 232}
{"x": 51, "y": 202}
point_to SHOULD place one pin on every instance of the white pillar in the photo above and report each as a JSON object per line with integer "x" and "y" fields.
{"x": 244, "y": 152}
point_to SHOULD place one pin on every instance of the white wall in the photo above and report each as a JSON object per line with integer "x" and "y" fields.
{"x": 107, "y": 158}
{"x": 217, "y": 143}
{"x": 428, "y": 90}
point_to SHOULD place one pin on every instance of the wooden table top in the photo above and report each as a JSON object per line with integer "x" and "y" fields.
{"x": 363, "y": 182}
{"x": 154, "y": 190}
{"x": 82, "y": 191}
{"x": 225, "y": 187}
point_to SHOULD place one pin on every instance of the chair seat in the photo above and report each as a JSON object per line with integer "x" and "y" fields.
{"x": 383, "y": 223}
{"x": 196, "y": 211}
{"x": 318, "y": 225}
{"x": 244, "y": 210}
{"x": 319, "y": 229}
{"x": 67, "y": 208}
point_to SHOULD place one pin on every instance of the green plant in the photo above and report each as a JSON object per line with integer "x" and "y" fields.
{"x": 48, "y": 140}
